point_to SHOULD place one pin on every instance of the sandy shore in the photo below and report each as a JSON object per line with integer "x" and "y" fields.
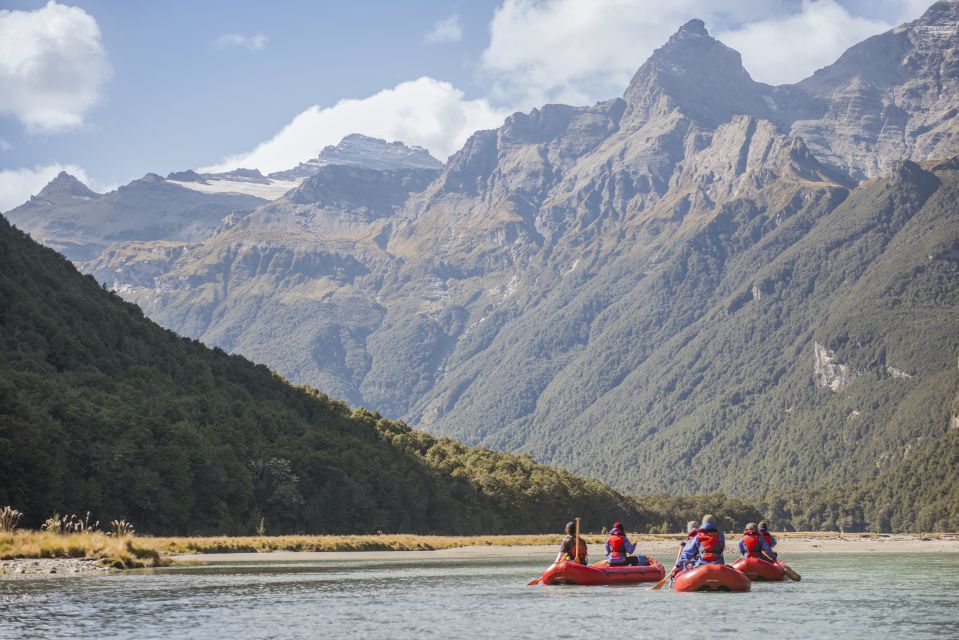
{"x": 788, "y": 544}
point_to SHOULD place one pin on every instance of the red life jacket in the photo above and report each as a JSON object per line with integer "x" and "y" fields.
{"x": 582, "y": 551}
{"x": 751, "y": 541}
{"x": 692, "y": 534}
{"x": 571, "y": 554}
{"x": 709, "y": 541}
{"x": 617, "y": 552}
{"x": 768, "y": 537}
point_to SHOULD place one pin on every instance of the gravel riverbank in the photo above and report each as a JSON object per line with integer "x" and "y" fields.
{"x": 48, "y": 568}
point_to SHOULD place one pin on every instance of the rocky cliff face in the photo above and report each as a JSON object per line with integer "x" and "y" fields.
{"x": 608, "y": 286}
{"x": 890, "y": 97}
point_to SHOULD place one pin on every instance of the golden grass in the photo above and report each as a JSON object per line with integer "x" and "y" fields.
{"x": 129, "y": 552}
{"x": 385, "y": 542}
{"x": 120, "y": 553}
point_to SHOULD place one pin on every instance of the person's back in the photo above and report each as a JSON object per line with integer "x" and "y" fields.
{"x": 618, "y": 547}
{"x": 705, "y": 548}
{"x": 712, "y": 543}
{"x": 768, "y": 538}
{"x": 567, "y": 550}
{"x": 753, "y": 545}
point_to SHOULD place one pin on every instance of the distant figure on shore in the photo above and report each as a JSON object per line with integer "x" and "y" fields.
{"x": 567, "y": 550}
{"x": 769, "y": 538}
{"x": 619, "y": 548}
{"x": 753, "y": 545}
{"x": 706, "y": 547}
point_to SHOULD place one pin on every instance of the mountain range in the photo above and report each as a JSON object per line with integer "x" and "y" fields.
{"x": 707, "y": 284}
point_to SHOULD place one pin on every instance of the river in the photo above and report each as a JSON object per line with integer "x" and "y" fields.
{"x": 840, "y": 596}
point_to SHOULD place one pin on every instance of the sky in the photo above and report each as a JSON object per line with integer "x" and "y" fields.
{"x": 110, "y": 90}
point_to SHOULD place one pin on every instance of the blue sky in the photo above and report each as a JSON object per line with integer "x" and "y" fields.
{"x": 113, "y": 90}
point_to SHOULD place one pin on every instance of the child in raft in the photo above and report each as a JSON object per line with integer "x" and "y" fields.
{"x": 619, "y": 548}
{"x": 753, "y": 545}
{"x": 769, "y": 538}
{"x": 567, "y": 550}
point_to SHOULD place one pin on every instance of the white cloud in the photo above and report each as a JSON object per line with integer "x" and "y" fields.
{"x": 424, "y": 112}
{"x": 789, "y": 48}
{"x": 52, "y": 66}
{"x": 579, "y": 52}
{"x": 445, "y": 30}
{"x": 255, "y": 42}
{"x": 17, "y": 185}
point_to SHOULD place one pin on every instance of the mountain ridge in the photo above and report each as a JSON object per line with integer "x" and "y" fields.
{"x": 529, "y": 295}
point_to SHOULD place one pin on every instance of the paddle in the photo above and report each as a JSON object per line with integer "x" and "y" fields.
{"x": 792, "y": 575}
{"x": 659, "y": 585}
{"x": 576, "y": 552}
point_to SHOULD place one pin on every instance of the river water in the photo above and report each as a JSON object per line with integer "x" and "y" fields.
{"x": 841, "y": 596}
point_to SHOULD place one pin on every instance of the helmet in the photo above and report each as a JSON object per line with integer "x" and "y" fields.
{"x": 751, "y": 526}
{"x": 762, "y": 525}
{"x": 570, "y": 528}
{"x": 618, "y": 525}
{"x": 691, "y": 526}
{"x": 708, "y": 519}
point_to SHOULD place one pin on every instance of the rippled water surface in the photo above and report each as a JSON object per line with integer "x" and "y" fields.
{"x": 844, "y": 596}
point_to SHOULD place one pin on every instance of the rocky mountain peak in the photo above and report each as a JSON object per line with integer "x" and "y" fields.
{"x": 358, "y": 149}
{"x": 65, "y": 185}
{"x": 364, "y": 151}
{"x": 698, "y": 74}
{"x": 944, "y": 13}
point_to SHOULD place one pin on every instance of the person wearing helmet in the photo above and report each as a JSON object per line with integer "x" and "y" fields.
{"x": 753, "y": 545}
{"x": 619, "y": 548}
{"x": 691, "y": 528}
{"x": 769, "y": 538}
{"x": 567, "y": 550}
{"x": 706, "y": 547}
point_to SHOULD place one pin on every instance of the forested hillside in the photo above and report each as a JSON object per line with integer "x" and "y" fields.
{"x": 917, "y": 495}
{"x": 102, "y": 410}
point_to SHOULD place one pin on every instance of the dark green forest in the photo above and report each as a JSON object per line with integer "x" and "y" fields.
{"x": 103, "y": 410}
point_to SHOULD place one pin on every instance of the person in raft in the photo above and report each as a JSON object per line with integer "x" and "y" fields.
{"x": 567, "y": 550}
{"x": 619, "y": 548}
{"x": 753, "y": 545}
{"x": 706, "y": 547}
{"x": 769, "y": 538}
{"x": 692, "y": 527}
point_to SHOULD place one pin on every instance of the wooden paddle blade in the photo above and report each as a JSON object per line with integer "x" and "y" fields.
{"x": 532, "y": 582}
{"x": 659, "y": 585}
{"x": 792, "y": 575}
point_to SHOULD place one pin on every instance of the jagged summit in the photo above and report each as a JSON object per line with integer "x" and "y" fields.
{"x": 698, "y": 73}
{"x": 694, "y": 27}
{"x": 66, "y": 185}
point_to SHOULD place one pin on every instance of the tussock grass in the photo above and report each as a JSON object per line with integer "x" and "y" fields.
{"x": 385, "y": 542}
{"x": 119, "y": 553}
{"x": 9, "y": 518}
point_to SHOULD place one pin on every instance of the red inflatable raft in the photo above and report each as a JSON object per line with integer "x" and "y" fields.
{"x": 565, "y": 572}
{"x": 712, "y": 577}
{"x": 759, "y": 569}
